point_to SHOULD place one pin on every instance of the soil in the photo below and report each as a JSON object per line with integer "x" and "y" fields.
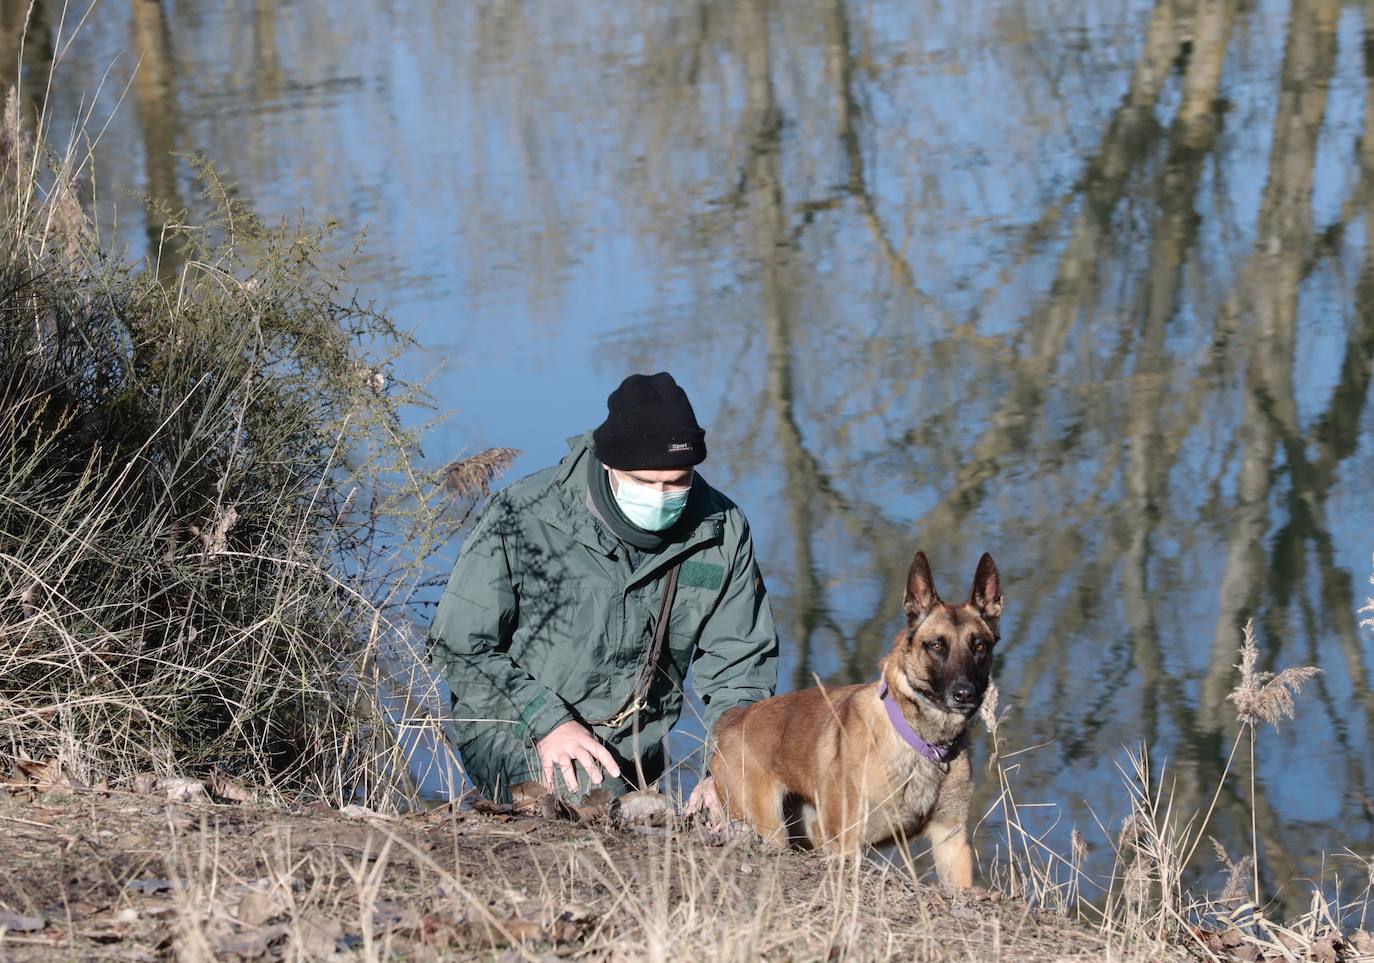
{"x": 88, "y": 874}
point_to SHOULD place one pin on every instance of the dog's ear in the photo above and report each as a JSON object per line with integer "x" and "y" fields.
{"x": 986, "y": 594}
{"x": 920, "y": 597}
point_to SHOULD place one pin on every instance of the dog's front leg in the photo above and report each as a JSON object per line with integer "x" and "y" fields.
{"x": 953, "y": 855}
{"x": 947, "y": 828}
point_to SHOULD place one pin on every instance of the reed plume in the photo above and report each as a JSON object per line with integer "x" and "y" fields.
{"x": 1264, "y": 696}
{"x": 471, "y": 477}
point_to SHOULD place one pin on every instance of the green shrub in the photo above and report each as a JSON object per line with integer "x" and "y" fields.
{"x": 199, "y": 479}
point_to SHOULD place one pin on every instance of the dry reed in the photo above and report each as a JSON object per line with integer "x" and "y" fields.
{"x": 211, "y": 519}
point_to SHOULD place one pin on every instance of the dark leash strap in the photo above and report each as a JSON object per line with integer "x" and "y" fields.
{"x": 645, "y": 676}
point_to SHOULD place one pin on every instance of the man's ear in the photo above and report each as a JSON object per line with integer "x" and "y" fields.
{"x": 920, "y": 598}
{"x": 986, "y": 594}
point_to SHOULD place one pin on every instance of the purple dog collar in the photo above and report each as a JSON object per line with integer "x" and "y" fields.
{"x": 908, "y": 734}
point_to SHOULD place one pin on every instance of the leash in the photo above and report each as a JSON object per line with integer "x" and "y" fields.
{"x": 636, "y": 702}
{"x": 937, "y": 753}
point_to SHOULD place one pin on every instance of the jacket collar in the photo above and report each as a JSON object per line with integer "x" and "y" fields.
{"x": 567, "y": 510}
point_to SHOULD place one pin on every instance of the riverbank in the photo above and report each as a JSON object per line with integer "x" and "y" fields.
{"x": 130, "y": 876}
{"x": 98, "y": 874}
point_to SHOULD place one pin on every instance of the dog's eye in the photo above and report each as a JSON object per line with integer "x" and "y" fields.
{"x": 980, "y": 646}
{"x": 937, "y": 646}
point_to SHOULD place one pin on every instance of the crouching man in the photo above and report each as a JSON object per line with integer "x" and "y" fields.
{"x": 582, "y": 595}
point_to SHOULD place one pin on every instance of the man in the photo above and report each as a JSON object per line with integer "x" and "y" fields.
{"x": 551, "y": 631}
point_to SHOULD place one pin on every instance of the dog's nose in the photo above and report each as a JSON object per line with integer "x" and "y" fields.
{"x": 963, "y": 692}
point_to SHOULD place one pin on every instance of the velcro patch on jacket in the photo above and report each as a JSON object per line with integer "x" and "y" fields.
{"x": 531, "y": 710}
{"x": 701, "y": 575}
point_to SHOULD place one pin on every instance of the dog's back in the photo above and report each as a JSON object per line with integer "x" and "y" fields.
{"x": 773, "y": 758}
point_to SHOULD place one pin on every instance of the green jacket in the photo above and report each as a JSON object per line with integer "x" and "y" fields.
{"x": 544, "y": 620}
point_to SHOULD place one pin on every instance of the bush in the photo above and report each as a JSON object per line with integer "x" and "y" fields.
{"x": 200, "y": 476}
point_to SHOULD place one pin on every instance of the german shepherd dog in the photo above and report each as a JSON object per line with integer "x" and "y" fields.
{"x": 868, "y": 763}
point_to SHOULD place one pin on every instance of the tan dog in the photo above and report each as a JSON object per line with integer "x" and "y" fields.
{"x": 845, "y": 767}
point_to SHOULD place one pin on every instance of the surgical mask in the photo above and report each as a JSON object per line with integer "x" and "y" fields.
{"x": 649, "y": 508}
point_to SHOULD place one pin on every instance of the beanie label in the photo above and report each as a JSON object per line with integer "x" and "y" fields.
{"x": 679, "y": 446}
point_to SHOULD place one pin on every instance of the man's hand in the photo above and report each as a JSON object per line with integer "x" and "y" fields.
{"x": 569, "y": 743}
{"x": 705, "y": 799}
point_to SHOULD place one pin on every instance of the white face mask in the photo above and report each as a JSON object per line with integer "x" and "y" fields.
{"x": 649, "y": 508}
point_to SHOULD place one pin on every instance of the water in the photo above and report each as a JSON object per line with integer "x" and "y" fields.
{"x": 1086, "y": 285}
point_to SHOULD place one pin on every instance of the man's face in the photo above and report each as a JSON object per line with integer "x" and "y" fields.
{"x": 659, "y": 479}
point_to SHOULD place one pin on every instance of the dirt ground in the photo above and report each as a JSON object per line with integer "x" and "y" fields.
{"x": 136, "y": 876}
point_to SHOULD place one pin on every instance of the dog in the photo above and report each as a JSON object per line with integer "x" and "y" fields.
{"x": 864, "y": 764}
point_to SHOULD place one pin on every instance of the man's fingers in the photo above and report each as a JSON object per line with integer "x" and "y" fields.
{"x": 569, "y": 774}
{"x": 569, "y": 745}
{"x": 604, "y": 756}
{"x": 589, "y": 764}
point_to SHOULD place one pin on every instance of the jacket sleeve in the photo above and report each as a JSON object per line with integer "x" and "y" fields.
{"x": 470, "y": 639}
{"x": 737, "y": 655}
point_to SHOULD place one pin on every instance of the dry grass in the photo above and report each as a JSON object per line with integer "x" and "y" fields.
{"x": 1146, "y": 904}
{"x": 210, "y": 515}
{"x": 149, "y": 879}
{"x": 136, "y": 876}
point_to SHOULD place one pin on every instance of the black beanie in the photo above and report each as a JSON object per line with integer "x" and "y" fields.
{"x": 649, "y": 424}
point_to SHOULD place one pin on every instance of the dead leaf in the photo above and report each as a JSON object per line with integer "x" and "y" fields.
{"x": 436, "y": 931}
{"x": 257, "y": 907}
{"x": 387, "y": 915}
{"x": 224, "y": 787}
{"x": 442, "y": 813}
{"x": 45, "y": 774}
{"x": 13, "y": 923}
{"x": 355, "y": 811}
{"x": 150, "y": 886}
{"x": 215, "y": 541}
{"x": 595, "y": 806}
{"x": 1327, "y": 949}
{"x": 488, "y": 808}
{"x": 1297, "y": 945}
{"x": 575, "y": 912}
{"x": 251, "y": 943}
{"x": 512, "y": 930}
{"x": 316, "y": 937}
{"x": 181, "y": 789}
{"x": 28, "y": 600}
{"x": 532, "y": 804}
